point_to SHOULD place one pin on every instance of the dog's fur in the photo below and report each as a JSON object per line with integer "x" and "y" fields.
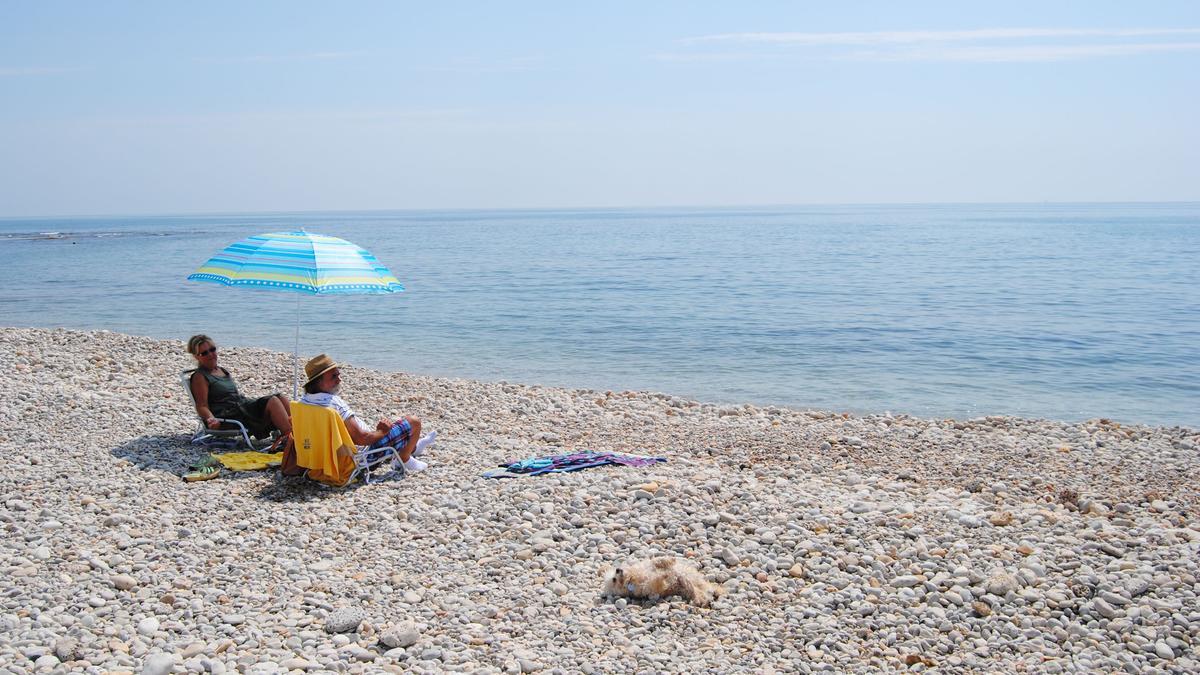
{"x": 659, "y": 578}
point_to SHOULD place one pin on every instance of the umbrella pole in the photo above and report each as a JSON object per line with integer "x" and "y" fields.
{"x": 296, "y": 356}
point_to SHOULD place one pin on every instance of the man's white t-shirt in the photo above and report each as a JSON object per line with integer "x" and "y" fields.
{"x": 339, "y": 405}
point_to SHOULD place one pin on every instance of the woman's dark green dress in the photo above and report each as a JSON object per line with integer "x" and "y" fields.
{"x": 224, "y": 400}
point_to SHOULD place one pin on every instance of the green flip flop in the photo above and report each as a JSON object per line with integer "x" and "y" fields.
{"x": 206, "y": 469}
{"x": 208, "y": 461}
{"x": 202, "y": 473}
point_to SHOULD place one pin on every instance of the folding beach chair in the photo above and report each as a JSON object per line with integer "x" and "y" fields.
{"x": 325, "y": 448}
{"x": 231, "y": 434}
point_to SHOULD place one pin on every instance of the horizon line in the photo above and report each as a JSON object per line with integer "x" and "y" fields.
{"x": 198, "y": 214}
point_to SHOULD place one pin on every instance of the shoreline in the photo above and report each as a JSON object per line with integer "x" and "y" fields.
{"x": 849, "y": 411}
{"x": 843, "y": 542}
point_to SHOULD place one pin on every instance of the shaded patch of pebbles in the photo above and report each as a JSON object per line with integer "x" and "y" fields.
{"x": 843, "y": 543}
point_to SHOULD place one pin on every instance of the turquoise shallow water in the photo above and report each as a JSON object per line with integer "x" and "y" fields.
{"x": 1058, "y": 311}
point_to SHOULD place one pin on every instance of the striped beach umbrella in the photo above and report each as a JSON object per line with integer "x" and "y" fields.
{"x": 301, "y": 262}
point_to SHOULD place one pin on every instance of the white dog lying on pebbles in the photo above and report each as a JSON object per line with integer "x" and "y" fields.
{"x": 658, "y": 578}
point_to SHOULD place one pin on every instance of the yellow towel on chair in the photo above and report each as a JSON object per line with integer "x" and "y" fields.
{"x": 249, "y": 461}
{"x": 323, "y": 446}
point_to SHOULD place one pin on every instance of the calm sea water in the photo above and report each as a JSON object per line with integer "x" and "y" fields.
{"x": 1059, "y": 311}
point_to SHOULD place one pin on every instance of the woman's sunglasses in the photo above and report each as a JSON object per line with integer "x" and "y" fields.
{"x": 206, "y": 352}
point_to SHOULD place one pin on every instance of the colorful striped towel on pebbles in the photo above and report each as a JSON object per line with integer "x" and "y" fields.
{"x": 573, "y": 461}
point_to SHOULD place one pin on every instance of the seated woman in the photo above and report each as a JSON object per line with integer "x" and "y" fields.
{"x": 217, "y": 395}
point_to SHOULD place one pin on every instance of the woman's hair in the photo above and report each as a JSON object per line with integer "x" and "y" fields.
{"x": 195, "y": 341}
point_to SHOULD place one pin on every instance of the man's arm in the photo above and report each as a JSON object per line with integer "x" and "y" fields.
{"x": 360, "y": 434}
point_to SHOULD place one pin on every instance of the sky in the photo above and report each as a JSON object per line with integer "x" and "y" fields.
{"x": 165, "y": 108}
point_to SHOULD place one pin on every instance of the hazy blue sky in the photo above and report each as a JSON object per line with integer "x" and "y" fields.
{"x": 149, "y": 107}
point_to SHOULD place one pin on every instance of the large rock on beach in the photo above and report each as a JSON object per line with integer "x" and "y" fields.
{"x": 344, "y": 620}
{"x": 403, "y": 635}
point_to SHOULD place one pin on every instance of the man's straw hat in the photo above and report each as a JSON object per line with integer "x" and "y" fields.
{"x": 318, "y": 366}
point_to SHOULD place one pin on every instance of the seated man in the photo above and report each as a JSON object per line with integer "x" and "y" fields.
{"x": 324, "y": 381}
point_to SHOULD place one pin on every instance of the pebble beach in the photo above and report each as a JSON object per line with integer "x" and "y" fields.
{"x": 843, "y": 543}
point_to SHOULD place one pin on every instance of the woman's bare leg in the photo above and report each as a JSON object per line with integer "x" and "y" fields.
{"x": 277, "y": 411}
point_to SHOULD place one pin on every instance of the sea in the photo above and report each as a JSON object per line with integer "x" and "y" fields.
{"x": 1059, "y": 311}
